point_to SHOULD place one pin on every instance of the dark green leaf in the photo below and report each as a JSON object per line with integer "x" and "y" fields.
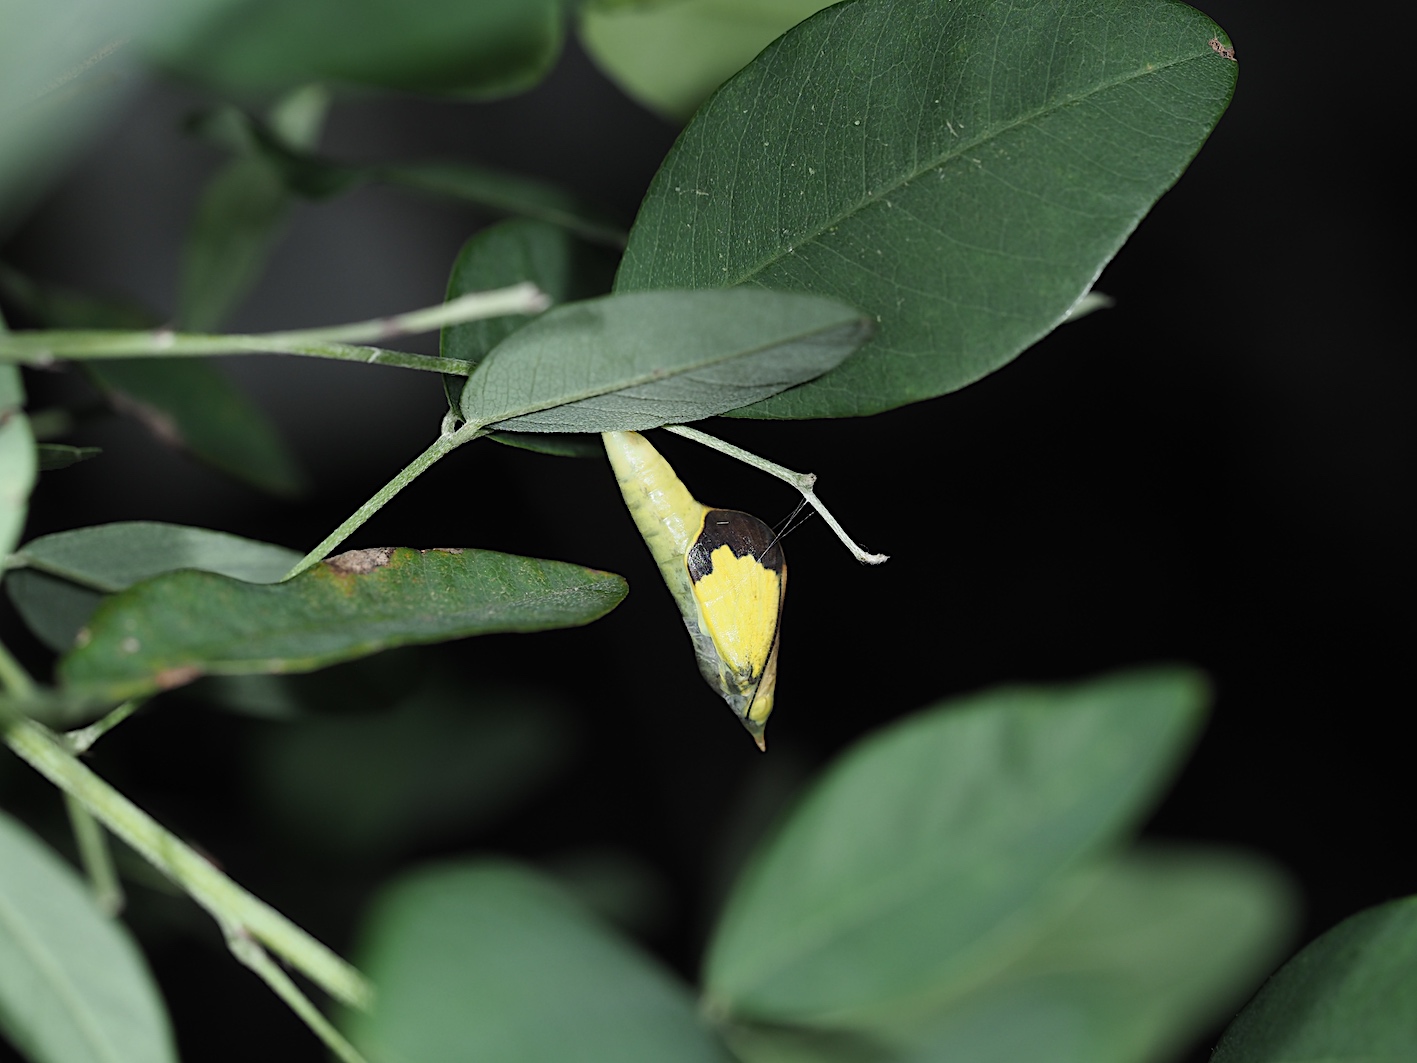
{"x": 1157, "y": 947}
{"x": 19, "y": 465}
{"x": 53, "y": 609}
{"x": 53, "y": 456}
{"x": 671, "y": 55}
{"x": 491, "y": 47}
{"x": 113, "y": 557}
{"x": 449, "y": 758}
{"x": 938, "y": 838}
{"x": 1349, "y": 997}
{"x": 57, "y": 306}
{"x": 501, "y": 255}
{"x": 73, "y": 986}
{"x": 489, "y": 961}
{"x": 960, "y": 171}
{"x": 241, "y": 215}
{"x": 653, "y": 358}
{"x": 177, "y": 626}
{"x": 189, "y": 403}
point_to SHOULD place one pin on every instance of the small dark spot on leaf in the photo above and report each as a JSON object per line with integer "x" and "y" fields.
{"x": 359, "y": 562}
{"x": 1223, "y": 50}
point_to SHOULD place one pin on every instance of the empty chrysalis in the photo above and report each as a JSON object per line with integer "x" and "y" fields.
{"x": 725, "y": 569}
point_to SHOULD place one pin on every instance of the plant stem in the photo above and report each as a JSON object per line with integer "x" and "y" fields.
{"x": 96, "y": 857}
{"x": 802, "y": 481}
{"x": 81, "y": 739}
{"x": 335, "y": 341}
{"x": 13, "y": 677}
{"x": 249, "y": 953}
{"x": 446, "y": 442}
{"x": 223, "y": 898}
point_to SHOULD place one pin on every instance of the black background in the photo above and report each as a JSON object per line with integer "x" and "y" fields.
{"x": 1218, "y": 470}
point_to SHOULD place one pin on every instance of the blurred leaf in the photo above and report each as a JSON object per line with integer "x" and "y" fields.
{"x": 55, "y": 305}
{"x": 448, "y": 758}
{"x": 53, "y": 456}
{"x": 113, "y": 557}
{"x": 242, "y": 213}
{"x": 654, "y": 358}
{"x": 489, "y": 961}
{"x": 73, "y": 986}
{"x": 19, "y": 465}
{"x": 53, "y": 609}
{"x": 172, "y": 628}
{"x": 1348, "y": 997}
{"x": 488, "y": 48}
{"x": 670, "y": 55}
{"x": 933, "y": 843}
{"x": 619, "y": 887}
{"x": 190, "y": 404}
{"x": 961, "y": 172}
{"x": 1159, "y": 946}
{"x": 501, "y": 255}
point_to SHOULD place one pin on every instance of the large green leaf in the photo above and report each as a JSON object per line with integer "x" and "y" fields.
{"x": 19, "y": 462}
{"x": 491, "y": 47}
{"x": 670, "y": 55}
{"x": 1159, "y": 945}
{"x": 73, "y": 986}
{"x": 937, "y": 840}
{"x": 175, "y": 627}
{"x": 960, "y": 171}
{"x": 489, "y": 961}
{"x": 113, "y": 557}
{"x": 54, "y": 610}
{"x": 1349, "y": 997}
{"x": 640, "y": 361}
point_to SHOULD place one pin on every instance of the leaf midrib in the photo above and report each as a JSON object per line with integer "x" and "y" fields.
{"x": 813, "y": 234}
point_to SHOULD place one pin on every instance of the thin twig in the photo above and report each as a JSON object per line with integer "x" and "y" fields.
{"x": 95, "y": 856}
{"x": 803, "y": 481}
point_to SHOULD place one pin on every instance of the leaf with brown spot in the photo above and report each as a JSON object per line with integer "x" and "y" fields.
{"x": 179, "y": 625}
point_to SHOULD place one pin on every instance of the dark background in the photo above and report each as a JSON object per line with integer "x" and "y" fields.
{"x": 1218, "y": 470}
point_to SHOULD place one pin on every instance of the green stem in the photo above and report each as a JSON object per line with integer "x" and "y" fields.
{"x": 13, "y": 677}
{"x": 446, "y": 442}
{"x": 336, "y": 341}
{"x": 248, "y": 952}
{"x": 223, "y": 898}
{"x": 82, "y": 739}
{"x": 804, "y": 482}
{"x": 95, "y": 856}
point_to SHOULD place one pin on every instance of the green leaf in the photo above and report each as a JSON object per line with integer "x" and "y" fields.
{"x": 935, "y": 841}
{"x": 960, "y": 171}
{"x": 174, "y": 627}
{"x": 448, "y": 758}
{"x": 670, "y": 55}
{"x": 190, "y": 404}
{"x": 113, "y": 557}
{"x": 19, "y": 465}
{"x": 1158, "y": 946}
{"x": 73, "y": 986}
{"x": 55, "y": 610}
{"x": 1349, "y": 997}
{"x": 52, "y": 456}
{"x": 488, "y": 48}
{"x": 489, "y": 961}
{"x": 501, "y": 255}
{"x": 653, "y": 358}
{"x": 56, "y": 305}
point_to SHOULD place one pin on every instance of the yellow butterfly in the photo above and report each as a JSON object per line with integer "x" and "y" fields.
{"x": 725, "y": 569}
